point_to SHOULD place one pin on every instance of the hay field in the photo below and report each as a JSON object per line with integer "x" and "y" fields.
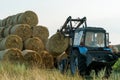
{"x": 20, "y": 71}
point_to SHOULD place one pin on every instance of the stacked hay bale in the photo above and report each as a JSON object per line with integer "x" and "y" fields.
{"x": 47, "y": 59}
{"x": 62, "y": 56}
{"x": 34, "y": 43}
{"x": 11, "y": 41}
{"x": 114, "y": 49}
{"x": 2, "y": 31}
{"x": 22, "y": 30}
{"x": 12, "y": 55}
{"x": 32, "y": 58}
{"x": 41, "y": 32}
{"x": 0, "y": 22}
{"x": 27, "y": 17}
{"x": 118, "y": 46}
{"x": 57, "y": 44}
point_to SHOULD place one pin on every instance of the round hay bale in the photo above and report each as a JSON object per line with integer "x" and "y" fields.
{"x": 11, "y": 41}
{"x": 4, "y": 22}
{"x": 28, "y": 17}
{"x": 114, "y": 49}
{"x": 41, "y": 32}
{"x": 2, "y": 32}
{"x": 32, "y": 57}
{"x": 9, "y": 22}
{"x": 0, "y": 22}
{"x": 11, "y": 55}
{"x": 15, "y": 18}
{"x": 62, "y": 56}
{"x": 22, "y": 30}
{"x": 57, "y": 44}
{"x": 6, "y": 31}
{"x": 47, "y": 59}
{"x": 34, "y": 43}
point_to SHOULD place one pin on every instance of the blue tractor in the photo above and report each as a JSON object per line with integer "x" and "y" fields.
{"x": 88, "y": 49}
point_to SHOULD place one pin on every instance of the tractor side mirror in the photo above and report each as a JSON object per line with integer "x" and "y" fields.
{"x": 107, "y": 39}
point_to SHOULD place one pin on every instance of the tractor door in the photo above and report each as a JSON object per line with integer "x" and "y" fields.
{"x": 78, "y": 39}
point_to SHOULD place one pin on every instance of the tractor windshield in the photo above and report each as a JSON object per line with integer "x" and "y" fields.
{"x": 95, "y": 39}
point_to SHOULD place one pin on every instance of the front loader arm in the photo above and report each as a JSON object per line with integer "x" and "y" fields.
{"x": 68, "y": 26}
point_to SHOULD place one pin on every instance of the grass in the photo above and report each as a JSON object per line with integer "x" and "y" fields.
{"x": 21, "y": 72}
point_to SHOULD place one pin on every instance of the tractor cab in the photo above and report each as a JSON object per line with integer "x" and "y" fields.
{"x": 91, "y": 37}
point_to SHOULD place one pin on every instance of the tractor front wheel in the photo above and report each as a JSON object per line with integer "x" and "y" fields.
{"x": 82, "y": 67}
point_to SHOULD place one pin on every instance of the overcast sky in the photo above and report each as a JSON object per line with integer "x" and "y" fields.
{"x": 53, "y": 13}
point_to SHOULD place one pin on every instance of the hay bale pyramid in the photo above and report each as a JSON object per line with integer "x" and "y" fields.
{"x": 21, "y": 35}
{"x": 18, "y": 35}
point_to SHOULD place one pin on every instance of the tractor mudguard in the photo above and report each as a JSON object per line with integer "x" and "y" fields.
{"x": 83, "y": 50}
